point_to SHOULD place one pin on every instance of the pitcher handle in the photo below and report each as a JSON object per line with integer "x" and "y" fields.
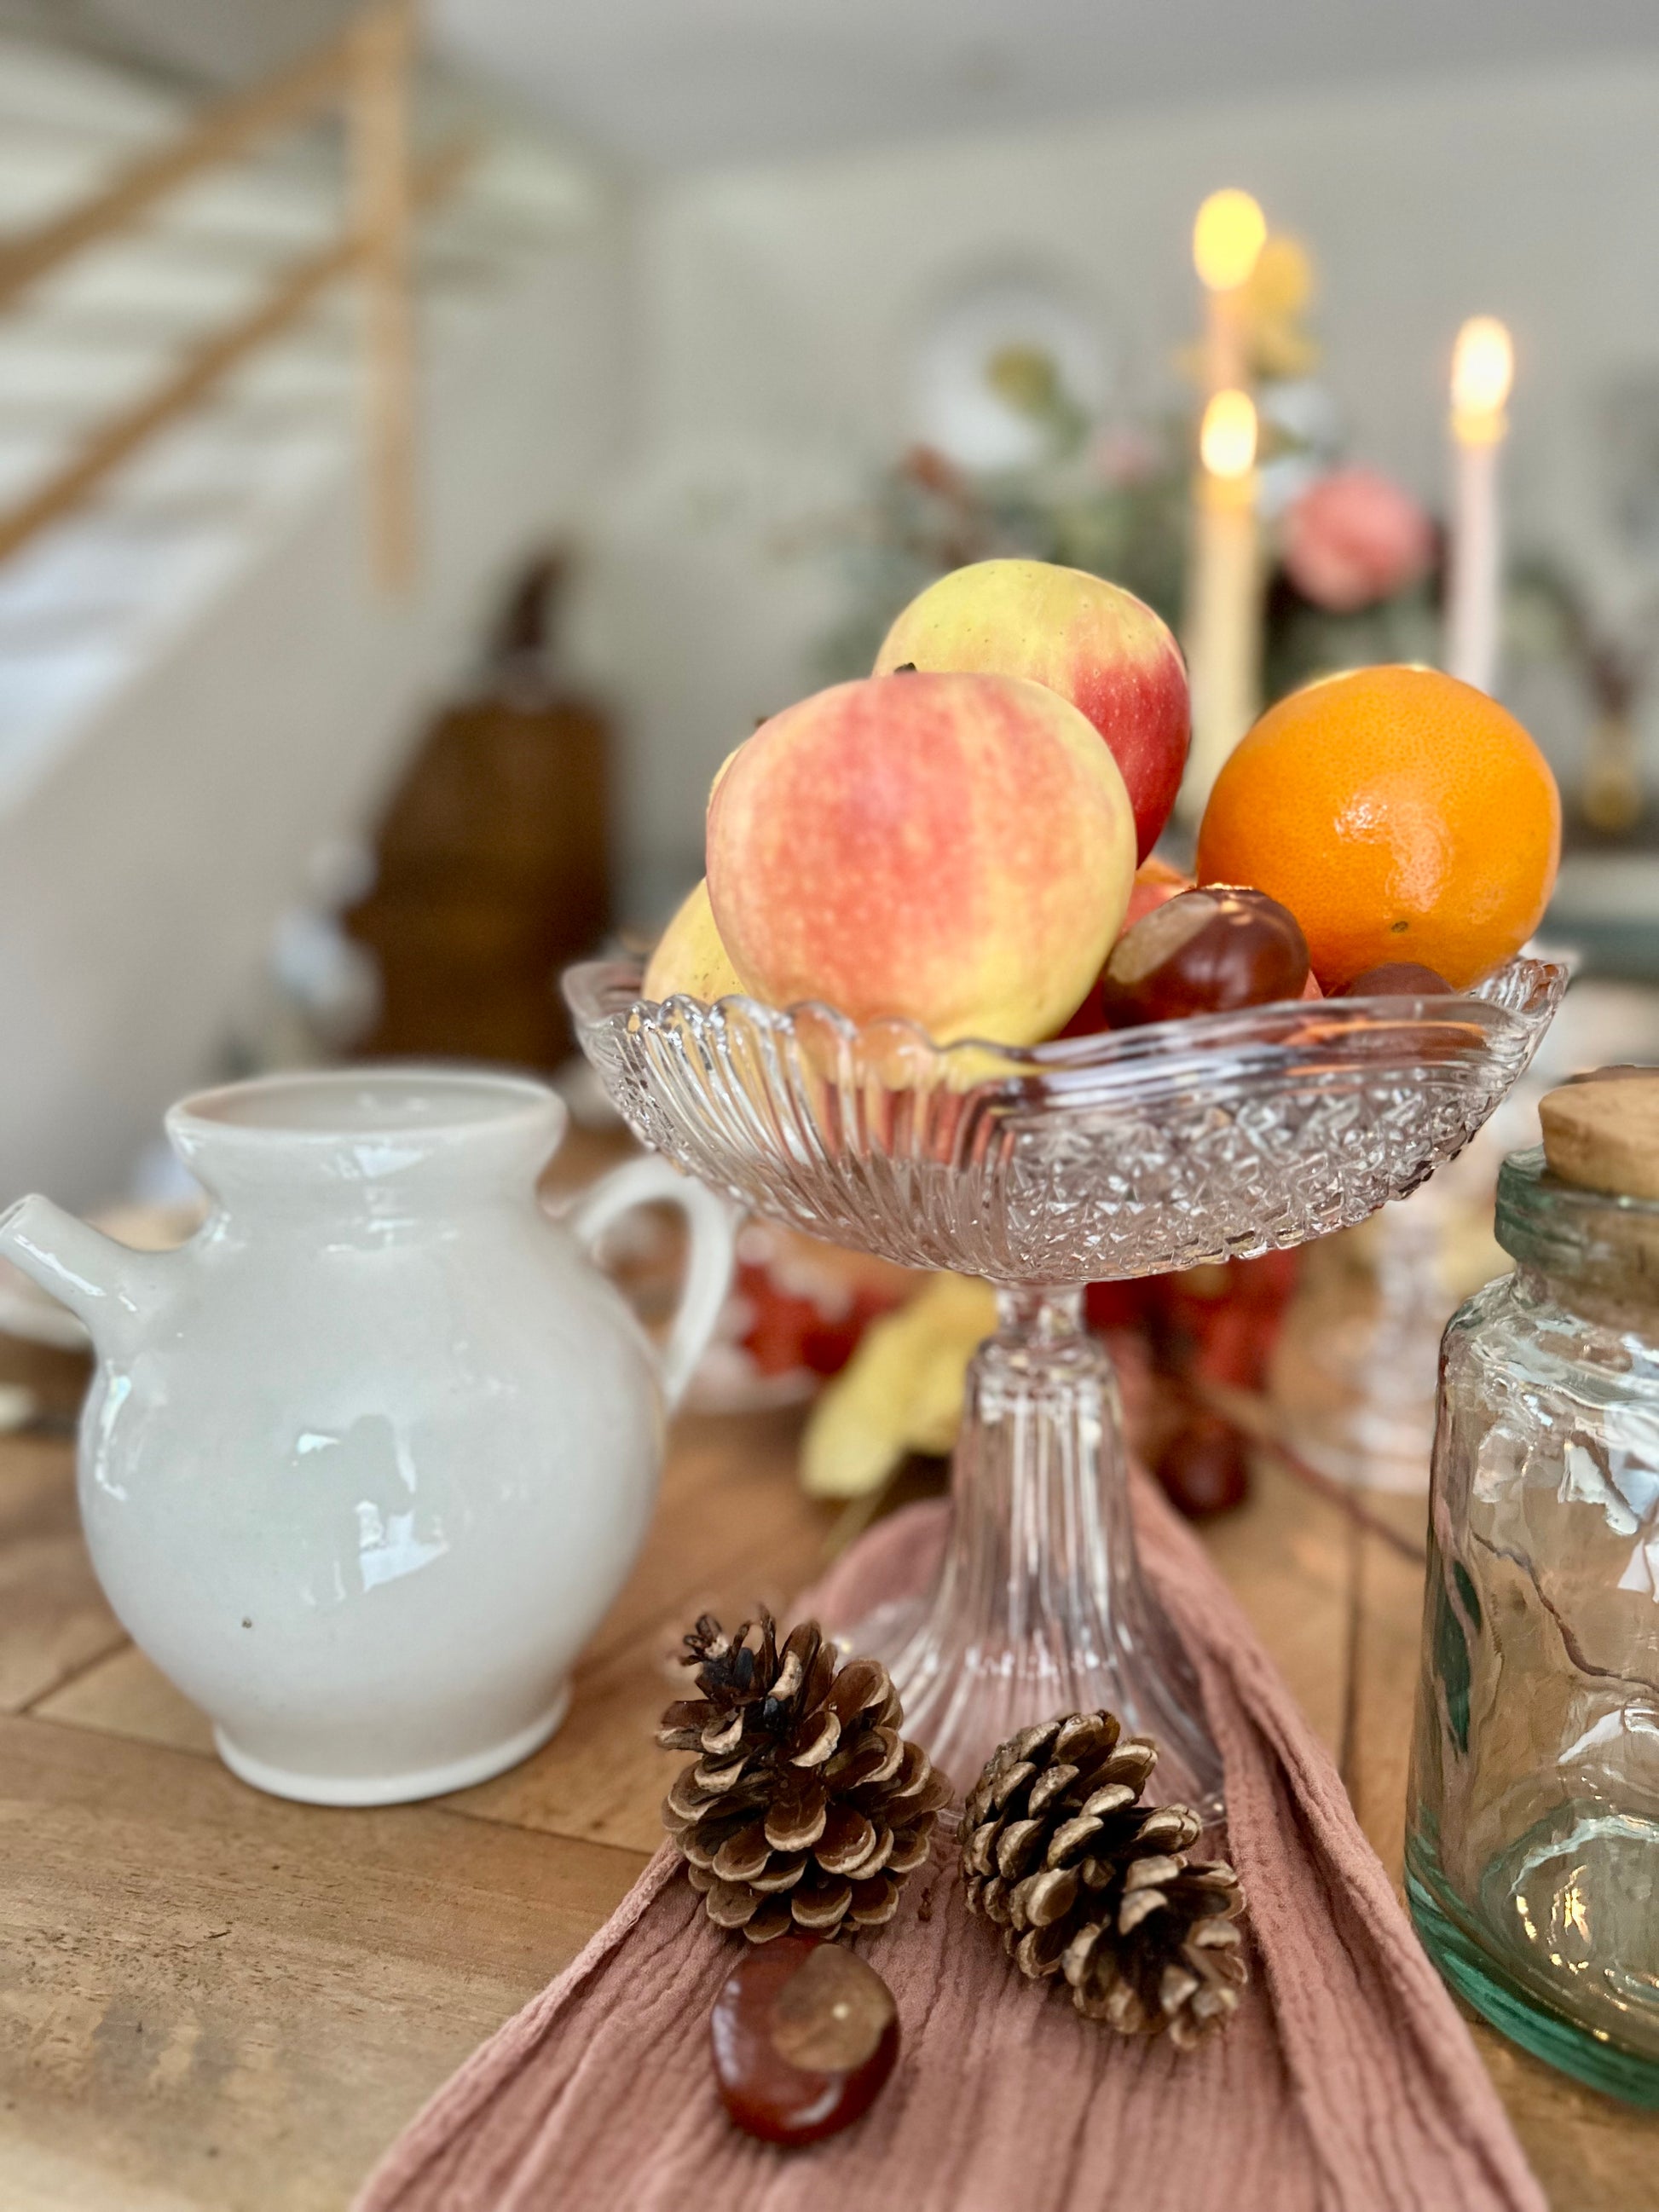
{"x": 712, "y": 1223}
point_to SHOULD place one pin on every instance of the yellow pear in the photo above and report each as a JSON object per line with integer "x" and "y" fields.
{"x": 901, "y": 1392}
{"x": 689, "y": 958}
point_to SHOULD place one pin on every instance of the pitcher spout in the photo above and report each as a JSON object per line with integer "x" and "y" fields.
{"x": 110, "y": 1288}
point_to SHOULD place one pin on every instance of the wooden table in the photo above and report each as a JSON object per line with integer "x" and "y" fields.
{"x": 211, "y": 2000}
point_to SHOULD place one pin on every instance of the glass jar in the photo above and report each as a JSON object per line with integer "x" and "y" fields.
{"x": 1532, "y": 1857}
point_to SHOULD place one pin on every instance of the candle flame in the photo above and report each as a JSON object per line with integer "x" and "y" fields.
{"x": 1483, "y": 368}
{"x": 1226, "y": 440}
{"x": 1227, "y": 239}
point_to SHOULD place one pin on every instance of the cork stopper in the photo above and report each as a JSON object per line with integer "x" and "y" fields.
{"x": 1603, "y": 1133}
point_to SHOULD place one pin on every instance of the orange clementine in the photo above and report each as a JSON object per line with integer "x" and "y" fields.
{"x": 1399, "y": 815}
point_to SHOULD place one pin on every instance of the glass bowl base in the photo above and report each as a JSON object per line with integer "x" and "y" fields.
{"x": 964, "y": 1696}
{"x": 1039, "y": 1606}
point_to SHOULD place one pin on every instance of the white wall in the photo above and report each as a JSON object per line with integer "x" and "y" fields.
{"x": 139, "y": 883}
{"x": 776, "y": 306}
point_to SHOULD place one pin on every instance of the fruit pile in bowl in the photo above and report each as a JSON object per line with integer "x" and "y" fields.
{"x": 961, "y": 841}
{"x": 936, "y": 1000}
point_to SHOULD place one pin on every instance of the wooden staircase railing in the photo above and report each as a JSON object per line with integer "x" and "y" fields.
{"x": 365, "y": 74}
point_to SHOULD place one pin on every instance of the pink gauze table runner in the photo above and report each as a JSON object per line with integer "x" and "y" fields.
{"x": 1346, "y": 2082}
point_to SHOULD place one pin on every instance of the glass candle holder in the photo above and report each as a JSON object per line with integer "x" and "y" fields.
{"x": 1532, "y": 1854}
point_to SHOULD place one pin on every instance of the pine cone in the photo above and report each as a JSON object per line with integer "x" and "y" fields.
{"x": 1084, "y": 1879}
{"x": 804, "y": 1806}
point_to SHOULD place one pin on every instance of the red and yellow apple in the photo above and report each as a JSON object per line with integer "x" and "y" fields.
{"x": 690, "y": 957}
{"x": 1093, "y": 642}
{"x": 954, "y": 849}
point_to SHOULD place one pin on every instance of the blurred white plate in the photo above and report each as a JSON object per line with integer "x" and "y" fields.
{"x": 954, "y": 406}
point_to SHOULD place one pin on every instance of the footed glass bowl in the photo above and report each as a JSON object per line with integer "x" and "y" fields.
{"x": 1044, "y": 1169}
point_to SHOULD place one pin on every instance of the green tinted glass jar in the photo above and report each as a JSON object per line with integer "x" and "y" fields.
{"x": 1533, "y": 1831}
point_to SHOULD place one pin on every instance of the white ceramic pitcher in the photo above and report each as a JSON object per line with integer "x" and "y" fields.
{"x": 366, "y": 1460}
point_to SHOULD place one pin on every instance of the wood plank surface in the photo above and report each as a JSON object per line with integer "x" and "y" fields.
{"x": 238, "y": 2001}
{"x": 53, "y": 1619}
{"x": 212, "y": 2001}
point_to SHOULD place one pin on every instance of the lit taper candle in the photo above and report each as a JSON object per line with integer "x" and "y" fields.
{"x": 1224, "y": 624}
{"x": 1483, "y": 368}
{"x": 1223, "y": 612}
{"x": 1228, "y": 236}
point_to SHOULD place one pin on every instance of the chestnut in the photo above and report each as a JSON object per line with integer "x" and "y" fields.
{"x": 1397, "y": 979}
{"x": 1204, "y": 952}
{"x": 1205, "y": 1468}
{"x": 804, "y": 2034}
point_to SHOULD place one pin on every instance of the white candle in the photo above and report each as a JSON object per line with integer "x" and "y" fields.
{"x": 1224, "y": 620}
{"x": 1221, "y": 630}
{"x": 1228, "y": 236}
{"x": 1483, "y": 367}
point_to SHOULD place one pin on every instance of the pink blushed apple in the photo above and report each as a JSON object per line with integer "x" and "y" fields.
{"x": 954, "y": 849}
{"x": 1091, "y": 641}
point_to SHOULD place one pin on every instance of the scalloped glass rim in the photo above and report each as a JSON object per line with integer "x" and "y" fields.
{"x": 1089, "y": 1158}
{"x": 602, "y": 992}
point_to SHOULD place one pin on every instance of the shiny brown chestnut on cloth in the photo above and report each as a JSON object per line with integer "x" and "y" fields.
{"x": 1204, "y": 952}
{"x": 805, "y": 2035}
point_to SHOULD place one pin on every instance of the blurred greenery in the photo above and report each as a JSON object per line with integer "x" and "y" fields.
{"x": 1116, "y": 507}
{"x": 1114, "y": 500}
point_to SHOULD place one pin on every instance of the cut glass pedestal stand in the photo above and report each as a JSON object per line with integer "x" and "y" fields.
{"x": 1042, "y": 1169}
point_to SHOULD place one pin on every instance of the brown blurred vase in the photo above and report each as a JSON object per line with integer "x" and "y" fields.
{"x": 494, "y": 870}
